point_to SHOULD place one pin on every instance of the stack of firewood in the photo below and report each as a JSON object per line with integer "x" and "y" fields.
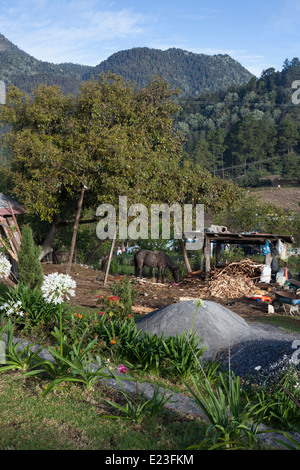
{"x": 227, "y": 286}
{"x": 245, "y": 267}
{"x": 236, "y": 279}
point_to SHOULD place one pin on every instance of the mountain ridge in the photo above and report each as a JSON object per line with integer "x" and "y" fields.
{"x": 190, "y": 72}
{"x": 207, "y": 72}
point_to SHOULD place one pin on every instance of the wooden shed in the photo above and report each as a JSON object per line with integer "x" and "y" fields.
{"x": 218, "y": 239}
{"x": 10, "y": 236}
{"x": 250, "y": 239}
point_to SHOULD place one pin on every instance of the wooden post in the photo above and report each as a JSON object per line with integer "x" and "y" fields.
{"x": 9, "y": 251}
{"x": 11, "y": 241}
{"x": 110, "y": 256}
{"x": 218, "y": 252}
{"x": 75, "y": 229}
{"x": 14, "y": 235}
{"x": 207, "y": 254}
{"x": 15, "y": 220}
{"x": 202, "y": 256}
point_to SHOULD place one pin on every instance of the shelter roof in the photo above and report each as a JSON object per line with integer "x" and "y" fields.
{"x": 247, "y": 238}
{"x": 5, "y": 201}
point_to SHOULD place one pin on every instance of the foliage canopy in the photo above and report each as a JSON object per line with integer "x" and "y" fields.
{"x": 112, "y": 138}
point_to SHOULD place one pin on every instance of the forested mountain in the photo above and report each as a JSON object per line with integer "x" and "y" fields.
{"x": 26, "y": 72}
{"x": 249, "y": 131}
{"x": 234, "y": 124}
{"x": 191, "y": 73}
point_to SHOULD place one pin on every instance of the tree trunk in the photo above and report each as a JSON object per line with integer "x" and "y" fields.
{"x": 110, "y": 256}
{"x": 185, "y": 257}
{"x": 75, "y": 229}
{"x": 47, "y": 243}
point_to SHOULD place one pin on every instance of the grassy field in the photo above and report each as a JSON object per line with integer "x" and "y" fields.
{"x": 72, "y": 419}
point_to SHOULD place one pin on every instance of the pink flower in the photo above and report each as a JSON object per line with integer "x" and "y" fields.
{"x": 122, "y": 369}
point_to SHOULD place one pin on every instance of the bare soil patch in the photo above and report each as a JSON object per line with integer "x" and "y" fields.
{"x": 151, "y": 296}
{"x": 284, "y": 197}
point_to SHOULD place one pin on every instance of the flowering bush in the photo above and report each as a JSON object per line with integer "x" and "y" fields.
{"x": 33, "y": 303}
{"x": 5, "y": 267}
{"x": 112, "y": 307}
{"x": 13, "y": 308}
{"x": 57, "y": 288}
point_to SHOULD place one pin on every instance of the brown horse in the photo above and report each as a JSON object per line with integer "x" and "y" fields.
{"x": 155, "y": 259}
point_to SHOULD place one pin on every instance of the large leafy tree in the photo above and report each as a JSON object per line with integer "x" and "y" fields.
{"x": 110, "y": 140}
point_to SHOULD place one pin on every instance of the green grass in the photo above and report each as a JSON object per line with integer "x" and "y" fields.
{"x": 282, "y": 321}
{"x": 71, "y": 419}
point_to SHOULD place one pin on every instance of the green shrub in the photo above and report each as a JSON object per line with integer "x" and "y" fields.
{"x": 281, "y": 400}
{"x": 30, "y": 269}
{"x": 32, "y": 304}
{"x": 182, "y": 355}
{"x": 126, "y": 294}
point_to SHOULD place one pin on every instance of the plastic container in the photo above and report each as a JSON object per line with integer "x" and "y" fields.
{"x": 265, "y": 274}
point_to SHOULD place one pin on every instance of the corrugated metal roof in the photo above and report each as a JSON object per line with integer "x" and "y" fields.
{"x": 18, "y": 208}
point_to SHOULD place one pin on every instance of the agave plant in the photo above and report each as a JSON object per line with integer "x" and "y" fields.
{"x": 138, "y": 407}
{"x": 230, "y": 417}
{"x": 25, "y": 359}
{"x": 78, "y": 366}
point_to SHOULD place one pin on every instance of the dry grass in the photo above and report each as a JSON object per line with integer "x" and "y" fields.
{"x": 285, "y": 198}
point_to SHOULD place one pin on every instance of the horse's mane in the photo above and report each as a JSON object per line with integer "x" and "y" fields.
{"x": 170, "y": 262}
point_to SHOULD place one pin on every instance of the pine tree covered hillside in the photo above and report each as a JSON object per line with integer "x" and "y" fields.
{"x": 247, "y": 132}
{"x": 191, "y": 73}
{"x": 24, "y": 71}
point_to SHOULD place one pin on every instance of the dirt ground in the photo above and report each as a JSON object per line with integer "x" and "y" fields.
{"x": 285, "y": 197}
{"x": 151, "y": 295}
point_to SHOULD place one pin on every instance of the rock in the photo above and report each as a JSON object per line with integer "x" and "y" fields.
{"x": 218, "y": 327}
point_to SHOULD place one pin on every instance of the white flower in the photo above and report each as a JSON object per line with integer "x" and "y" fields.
{"x": 257, "y": 368}
{"x": 199, "y": 303}
{"x": 5, "y": 267}
{"x": 13, "y": 308}
{"x": 57, "y": 288}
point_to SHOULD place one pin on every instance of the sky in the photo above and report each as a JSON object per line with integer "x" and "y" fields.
{"x": 257, "y": 33}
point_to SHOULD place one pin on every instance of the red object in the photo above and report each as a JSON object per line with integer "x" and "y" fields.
{"x": 286, "y": 273}
{"x": 262, "y": 298}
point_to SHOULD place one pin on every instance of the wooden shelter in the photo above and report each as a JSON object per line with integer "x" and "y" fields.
{"x": 10, "y": 235}
{"x": 218, "y": 239}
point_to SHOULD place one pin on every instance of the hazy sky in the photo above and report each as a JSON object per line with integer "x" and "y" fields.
{"x": 257, "y": 33}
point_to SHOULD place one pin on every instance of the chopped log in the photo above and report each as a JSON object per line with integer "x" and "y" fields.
{"x": 159, "y": 284}
{"x": 195, "y": 273}
{"x": 141, "y": 309}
